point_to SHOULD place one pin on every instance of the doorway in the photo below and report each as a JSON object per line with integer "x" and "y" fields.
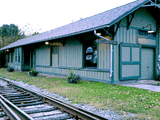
{"x": 33, "y": 59}
{"x": 147, "y": 63}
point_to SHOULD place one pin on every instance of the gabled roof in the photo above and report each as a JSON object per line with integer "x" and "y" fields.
{"x": 104, "y": 19}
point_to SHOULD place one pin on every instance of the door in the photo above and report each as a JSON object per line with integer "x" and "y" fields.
{"x": 26, "y": 59}
{"x": 147, "y": 63}
{"x": 130, "y": 61}
{"x": 55, "y": 56}
{"x": 33, "y": 59}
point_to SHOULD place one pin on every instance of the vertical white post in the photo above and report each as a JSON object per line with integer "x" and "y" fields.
{"x": 111, "y": 61}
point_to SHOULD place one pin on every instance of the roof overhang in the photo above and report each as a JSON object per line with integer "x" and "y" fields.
{"x": 153, "y": 6}
{"x": 128, "y": 12}
{"x": 145, "y": 3}
{"x": 155, "y": 3}
{"x": 58, "y": 37}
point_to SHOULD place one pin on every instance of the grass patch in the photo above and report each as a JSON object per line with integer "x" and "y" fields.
{"x": 146, "y": 104}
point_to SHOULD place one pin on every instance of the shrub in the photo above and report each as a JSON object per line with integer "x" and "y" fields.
{"x": 73, "y": 78}
{"x": 10, "y": 69}
{"x": 33, "y": 71}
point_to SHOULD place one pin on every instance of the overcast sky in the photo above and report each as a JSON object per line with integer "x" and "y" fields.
{"x": 44, "y": 15}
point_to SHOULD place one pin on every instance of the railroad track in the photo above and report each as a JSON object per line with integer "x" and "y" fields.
{"x": 31, "y": 105}
{"x": 6, "y": 113}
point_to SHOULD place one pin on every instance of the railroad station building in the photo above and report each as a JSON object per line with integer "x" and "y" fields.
{"x": 121, "y": 44}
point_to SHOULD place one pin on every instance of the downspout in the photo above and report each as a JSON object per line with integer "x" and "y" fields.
{"x": 111, "y": 50}
{"x": 111, "y": 71}
{"x": 100, "y": 36}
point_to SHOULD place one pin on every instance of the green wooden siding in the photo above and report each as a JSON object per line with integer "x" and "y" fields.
{"x": 125, "y": 36}
{"x": 70, "y": 54}
{"x": 18, "y": 63}
{"x": 11, "y": 64}
{"x": 103, "y": 56}
{"x": 70, "y": 57}
{"x": 145, "y": 41}
{"x": 128, "y": 61}
{"x": 43, "y": 55}
{"x": 130, "y": 67}
{"x": 130, "y": 71}
{"x": 83, "y": 73}
{"x": 141, "y": 19}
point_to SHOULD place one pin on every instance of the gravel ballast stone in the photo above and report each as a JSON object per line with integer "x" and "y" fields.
{"x": 111, "y": 115}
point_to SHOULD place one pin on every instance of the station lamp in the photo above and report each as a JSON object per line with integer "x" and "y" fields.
{"x": 47, "y": 43}
{"x": 98, "y": 33}
{"x": 150, "y": 30}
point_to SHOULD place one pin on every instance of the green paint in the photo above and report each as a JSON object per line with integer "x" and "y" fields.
{"x": 130, "y": 62}
{"x": 51, "y": 56}
{"x": 147, "y": 63}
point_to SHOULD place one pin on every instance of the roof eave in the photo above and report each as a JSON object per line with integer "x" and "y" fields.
{"x": 84, "y": 31}
{"x": 127, "y": 13}
{"x": 58, "y": 37}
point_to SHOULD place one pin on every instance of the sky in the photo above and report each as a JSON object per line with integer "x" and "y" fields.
{"x": 43, "y": 15}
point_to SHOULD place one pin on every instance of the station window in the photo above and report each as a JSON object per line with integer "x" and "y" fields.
{"x": 91, "y": 54}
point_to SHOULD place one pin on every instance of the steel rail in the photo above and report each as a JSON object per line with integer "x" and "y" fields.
{"x": 12, "y": 115}
{"x": 22, "y": 115}
{"x": 76, "y": 112}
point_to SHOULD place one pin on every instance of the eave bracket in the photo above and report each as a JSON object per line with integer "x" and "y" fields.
{"x": 152, "y": 3}
{"x": 62, "y": 42}
{"x": 129, "y": 19}
{"x": 117, "y": 24}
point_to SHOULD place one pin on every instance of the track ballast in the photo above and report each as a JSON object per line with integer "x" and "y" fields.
{"x": 36, "y": 106}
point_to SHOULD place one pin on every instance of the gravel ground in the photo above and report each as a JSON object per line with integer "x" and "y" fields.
{"x": 111, "y": 115}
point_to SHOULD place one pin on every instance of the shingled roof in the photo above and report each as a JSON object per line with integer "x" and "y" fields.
{"x": 104, "y": 19}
